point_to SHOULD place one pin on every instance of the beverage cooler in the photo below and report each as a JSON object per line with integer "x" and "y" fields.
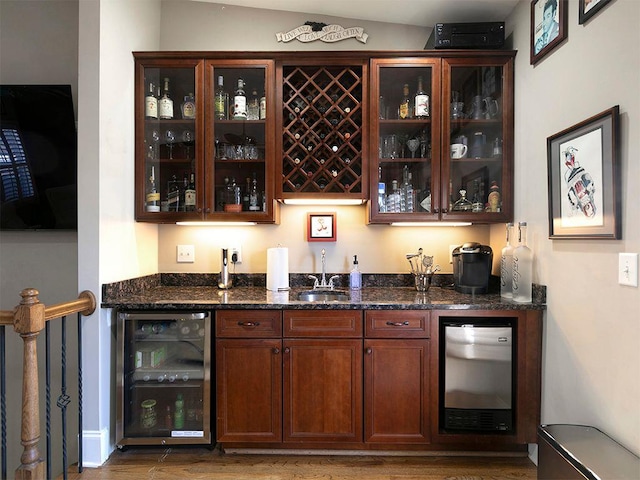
{"x": 163, "y": 378}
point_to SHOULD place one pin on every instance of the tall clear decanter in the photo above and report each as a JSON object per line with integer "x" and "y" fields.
{"x": 506, "y": 266}
{"x": 522, "y": 267}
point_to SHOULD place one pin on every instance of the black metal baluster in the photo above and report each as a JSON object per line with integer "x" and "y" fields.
{"x": 47, "y": 368}
{"x": 63, "y": 399}
{"x": 3, "y": 403}
{"x": 80, "y": 438}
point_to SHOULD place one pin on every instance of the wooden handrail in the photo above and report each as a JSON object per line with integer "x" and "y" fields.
{"x": 28, "y": 320}
{"x": 85, "y": 305}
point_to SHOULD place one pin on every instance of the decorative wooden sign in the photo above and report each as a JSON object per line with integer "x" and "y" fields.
{"x": 312, "y": 31}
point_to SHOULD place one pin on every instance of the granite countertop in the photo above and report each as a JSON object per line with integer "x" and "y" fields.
{"x": 379, "y": 292}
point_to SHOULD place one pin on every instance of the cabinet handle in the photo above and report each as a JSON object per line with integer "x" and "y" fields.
{"x": 276, "y": 351}
{"x": 368, "y": 351}
{"x": 249, "y": 324}
{"x": 436, "y": 210}
{"x": 286, "y": 350}
{"x": 398, "y": 324}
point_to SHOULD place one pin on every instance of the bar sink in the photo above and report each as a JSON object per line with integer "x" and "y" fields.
{"x": 323, "y": 296}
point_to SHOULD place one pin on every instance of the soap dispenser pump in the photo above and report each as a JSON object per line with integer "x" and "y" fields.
{"x": 355, "y": 277}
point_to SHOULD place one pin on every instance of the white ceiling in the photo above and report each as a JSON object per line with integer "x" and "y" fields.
{"x": 425, "y": 13}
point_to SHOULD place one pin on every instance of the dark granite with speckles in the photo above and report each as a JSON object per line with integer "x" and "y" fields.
{"x": 180, "y": 291}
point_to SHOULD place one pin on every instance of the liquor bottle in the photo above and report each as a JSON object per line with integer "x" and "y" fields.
{"x": 254, "y": 196}
{"x": 240, "y": 102}
{"x": 421, "y": 102}
{"x": 404, "y": 110}
{"x": 188, "y": 107}
{"x": 407, "y": 191}
{"x": 506, "y": 266}
{"x": 494, "y": 197}
{"x": 153, "y": 196}
{"x": 178, "y": 413}
{"x": 221, "y": 101}
{"x": 151, "y": 104}
{"x": 253, "y": 106}
{"x": 263, "y": 106}
{"x": 190, "y": 194}
{"x": 245, "y": 195}
{"x": 522, "y": 267}
{"x": 165, "y": 104}
{"x": 173, "y": 194}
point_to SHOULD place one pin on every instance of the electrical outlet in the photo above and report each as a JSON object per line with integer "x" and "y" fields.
{"x": 628, "y": 269}
{"x": 186, "y": 254}
{"x": 237, "y": 251}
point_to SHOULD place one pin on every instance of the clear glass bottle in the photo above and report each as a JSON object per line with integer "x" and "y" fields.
{"x": 165, "y": 104}
{"x": 263, "y": 106}
{"x": 421, "y": 102}
{"x": 221, "y": 104}
{"x": 404, "y": 109}
{"x": 151, "y": 104}
{"x": 253, "y": 106}
{"x": 463, "y": 204}
{"x": 506, "y": 266}
{"x": 522, "y": 267}
{"x": 254, "y": 195}
{"x": 355, "y": 277}
{"x": 188, "y": 107}
{"x": 153, "y": 196}
{"x": 190, "y": 194}
{"x": 240, "y": 102}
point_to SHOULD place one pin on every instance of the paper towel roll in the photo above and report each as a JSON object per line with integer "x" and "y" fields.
{"x": 277, "y": 269}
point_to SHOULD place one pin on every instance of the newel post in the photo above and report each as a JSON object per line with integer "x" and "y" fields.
{"x": 29, "y": 321}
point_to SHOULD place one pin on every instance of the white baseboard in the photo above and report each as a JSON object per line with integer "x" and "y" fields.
{"x": 95, "y": 447}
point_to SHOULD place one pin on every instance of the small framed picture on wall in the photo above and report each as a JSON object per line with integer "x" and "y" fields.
{"x": 321, "y": 227}
{"x": 548, "y": 27}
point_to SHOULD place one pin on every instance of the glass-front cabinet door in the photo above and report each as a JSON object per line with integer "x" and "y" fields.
{"x": 169, "y": 118}
{"x": 405, "y": 143}
{"x": 240, "y": 140}
{"x": 477, "y": 139}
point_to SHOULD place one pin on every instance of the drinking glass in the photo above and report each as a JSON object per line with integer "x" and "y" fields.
{"x": 170, "y": 140}
{"x": 187, "y": 140}
{"x": 413, "y": 144}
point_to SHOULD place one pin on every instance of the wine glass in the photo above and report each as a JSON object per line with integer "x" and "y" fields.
{"x": 170, "y": 139}
{"x": 154, "y": 139}
{"x": 187, "y": 140}
{"x": 413, "y": 144}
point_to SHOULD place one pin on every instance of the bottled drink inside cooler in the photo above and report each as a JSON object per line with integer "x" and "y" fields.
{"x": 163, "y": 371}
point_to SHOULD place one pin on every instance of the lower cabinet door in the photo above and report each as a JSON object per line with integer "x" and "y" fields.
{"x": 249, "y": 390}
{"x": 322, "y": 390}
{"x": 396, "y": 379}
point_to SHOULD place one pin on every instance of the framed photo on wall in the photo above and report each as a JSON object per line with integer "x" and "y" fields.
{"x": 588, "y": 8}
{"x": 321, "y": 227}
{"x": 548, "y": 26}
{"x": 584, "y": 179}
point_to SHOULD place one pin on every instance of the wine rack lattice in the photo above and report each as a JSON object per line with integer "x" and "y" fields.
{"x": 322, "y": 129}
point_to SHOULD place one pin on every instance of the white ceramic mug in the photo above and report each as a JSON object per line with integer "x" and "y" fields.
{"x": 458, "y": 150}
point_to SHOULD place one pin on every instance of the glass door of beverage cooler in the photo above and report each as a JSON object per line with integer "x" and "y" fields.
{"x": 405, "y": 112}
{"x": 477, "y": 140}
{"x": 163, "y": 368}
{"x": 169, "y": 111}
{"x": 240, "y": 140}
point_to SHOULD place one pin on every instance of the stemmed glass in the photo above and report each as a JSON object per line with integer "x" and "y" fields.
{"x": 413, "y": 144}
{"x": 153, "y": 147}
{"x": 170, "y": 139}
{"x": 187, "y": 140}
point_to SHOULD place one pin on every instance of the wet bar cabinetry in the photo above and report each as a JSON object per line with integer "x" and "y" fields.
{"x": 418, "y": 135}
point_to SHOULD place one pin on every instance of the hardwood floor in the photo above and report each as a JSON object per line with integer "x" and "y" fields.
{"x": 201, "y": 463}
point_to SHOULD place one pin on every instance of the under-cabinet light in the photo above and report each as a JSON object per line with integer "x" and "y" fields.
{"x": 216, "y": 224}
{"x": 431, "y": 224}
{"x": 323, "y": 201}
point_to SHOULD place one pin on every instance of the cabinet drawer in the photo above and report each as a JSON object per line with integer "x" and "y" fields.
{"x": 397, "y": 324}
{"x": 325, "y": 323}
{"x": 248, "y": 324}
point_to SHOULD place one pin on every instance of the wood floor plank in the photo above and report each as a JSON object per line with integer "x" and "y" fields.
{"x": 201, "y": 463}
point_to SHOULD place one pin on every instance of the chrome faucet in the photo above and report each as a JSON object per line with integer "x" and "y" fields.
{"x": 323, "y": 278}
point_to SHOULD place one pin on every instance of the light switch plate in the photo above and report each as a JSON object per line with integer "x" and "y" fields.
{"x": 186, "y": 254}
{"x": 628, "y": 269}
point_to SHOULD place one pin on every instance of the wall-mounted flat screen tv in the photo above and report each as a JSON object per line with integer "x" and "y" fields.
{"x": 38, "y": 158}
